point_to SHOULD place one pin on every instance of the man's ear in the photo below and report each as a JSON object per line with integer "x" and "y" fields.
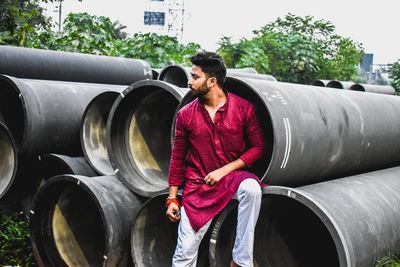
{"x": 212, "y": 81}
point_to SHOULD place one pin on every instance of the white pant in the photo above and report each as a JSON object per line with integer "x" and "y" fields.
{"x": 249, "y": 197}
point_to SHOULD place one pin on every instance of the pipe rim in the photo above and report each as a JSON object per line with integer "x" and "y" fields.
{"x": 15, "y": 85}
{"x": 10, "y": 145}
{"x": 112, "y": 126}
{"x": 172, "y": 70}
{"x": 105, "y": 169}
{"x": 36, "y": 227}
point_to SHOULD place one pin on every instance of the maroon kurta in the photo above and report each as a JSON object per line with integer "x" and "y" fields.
{"x": 209, "y": 146}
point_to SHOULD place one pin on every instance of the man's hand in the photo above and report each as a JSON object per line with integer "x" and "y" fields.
{"x": 173, "y": 212}
{"x": 213, "y": 177}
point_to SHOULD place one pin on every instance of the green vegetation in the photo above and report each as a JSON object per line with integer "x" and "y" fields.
{"x": 15, "y": 244}
{"x": 394, "y": 75}
{"x": 296, "y": 49}
{"x": 388, "y": 262}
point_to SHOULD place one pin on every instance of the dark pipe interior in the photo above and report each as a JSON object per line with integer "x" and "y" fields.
{"x": 7, "y": 159}
{"x": 140, "y": 137}
{"x": 335, "y": 84}
{"x": 318, "y": 83}
{"x": 287, "y": 234}
{"x": 357, "y": 87}
{"x": 69, "y": 227}
{"x": 12, "y": 110}
{"x": 154, "y": 237}
{"x": 174, "y": 75}
{"x": 51, "y": 166}
{"x": 93, "y": 134}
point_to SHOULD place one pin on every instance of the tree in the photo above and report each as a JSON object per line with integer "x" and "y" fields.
{"x": 295, "y": 49}
{"x": 394, "y": 75}
{"x": 20, "y": 20}
{"x": 91, "y": 34}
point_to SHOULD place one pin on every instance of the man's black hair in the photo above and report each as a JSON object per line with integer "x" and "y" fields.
{"x": 212, "y": 64}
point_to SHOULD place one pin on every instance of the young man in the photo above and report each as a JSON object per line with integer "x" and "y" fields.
{"x": 208, "y": 152}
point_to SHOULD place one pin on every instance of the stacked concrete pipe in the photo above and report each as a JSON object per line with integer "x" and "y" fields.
{"x": 67, "y": 66}
{"x": 81, "y": 221}
{"x": 179, "y": 75}
{"x": 321, "y": 83}
{"x": 138, "y": 135}
{"x": 339, "y": 84}
{"x": 348, "y": 222}
{"x": 373, "y": 88}
{"x": 45, "y": 116}
{"x": 93, "y": 131}
{"x": 314, "y": 135}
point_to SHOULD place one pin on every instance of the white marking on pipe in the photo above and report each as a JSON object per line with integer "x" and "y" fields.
{"x": 31, "y": 211}
{"x": 20, "y": 95}
{"x": 115, "y": 171}
{"x": 39, "y": 158}
{"x": 288, "y": 142}
{"x": 213, "y": 241}
{"x": 79, "y": 182}
{"x": 122, "y": 94}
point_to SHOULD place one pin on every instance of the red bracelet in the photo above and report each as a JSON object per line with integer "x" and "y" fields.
{"x": 172, "y": 200}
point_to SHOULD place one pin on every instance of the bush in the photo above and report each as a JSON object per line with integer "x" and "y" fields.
{"x": 15, "y": 246}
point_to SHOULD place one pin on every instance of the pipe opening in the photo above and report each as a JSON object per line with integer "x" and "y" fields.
{"x": 11, "y": 108}
{"x": 8, "y": 160}
{"x": 287, "y": 234}
{"x": 69, "y": 227}
{"x": 335, "y": 84}
{"x": 318, "y": 83}
{"x": 245, "y": 91}
{"x": 93, "y": 135}
{"x": 357, "y": 87}
{"x": 154, "y": 237}
{"x": 175, "y": 75}
{"x": 140, "y": 139}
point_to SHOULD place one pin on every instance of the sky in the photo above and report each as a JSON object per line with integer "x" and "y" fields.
{"x": 374, "y": 24}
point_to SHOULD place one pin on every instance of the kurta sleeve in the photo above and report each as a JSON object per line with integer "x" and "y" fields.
{"x": 255, "y": 135}
{"x": 178, "y": 155}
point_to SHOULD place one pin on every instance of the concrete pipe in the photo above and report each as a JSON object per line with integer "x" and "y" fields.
{"x": 321, "y": 83}
{"x": 314, "y": 135}
{"x": 66, "y": 66}
{"x": 155, "y": 73}
{"x": 45, "y": 116}
{"x": 93, "y": 132}
{"x": 138, "y": 135}
{"x": 81, "y": 221}
{"x": 55, "y": 164}
{"x": 154, "y": 237}
{"x": 348, "y": 222}
{"x": 8, "y": 159}
{"x": 339, "y": 84}
{"x": 179, "y": 75}
{"x": 373, "y": 88}
{"x": 48, "y": 166}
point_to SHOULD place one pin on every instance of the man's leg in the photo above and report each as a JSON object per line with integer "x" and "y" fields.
{"x": 188, "y": 242}
{"x": 249, "y": 196}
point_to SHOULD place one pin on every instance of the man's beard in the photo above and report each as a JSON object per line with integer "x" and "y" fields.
{"x": 202, "y": 91}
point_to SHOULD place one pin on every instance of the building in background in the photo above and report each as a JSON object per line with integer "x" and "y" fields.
{"x": 164, "y": 17}
{"x": 374, "y": 73}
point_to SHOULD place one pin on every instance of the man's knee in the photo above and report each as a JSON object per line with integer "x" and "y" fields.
{"x": 251, "y": 188}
